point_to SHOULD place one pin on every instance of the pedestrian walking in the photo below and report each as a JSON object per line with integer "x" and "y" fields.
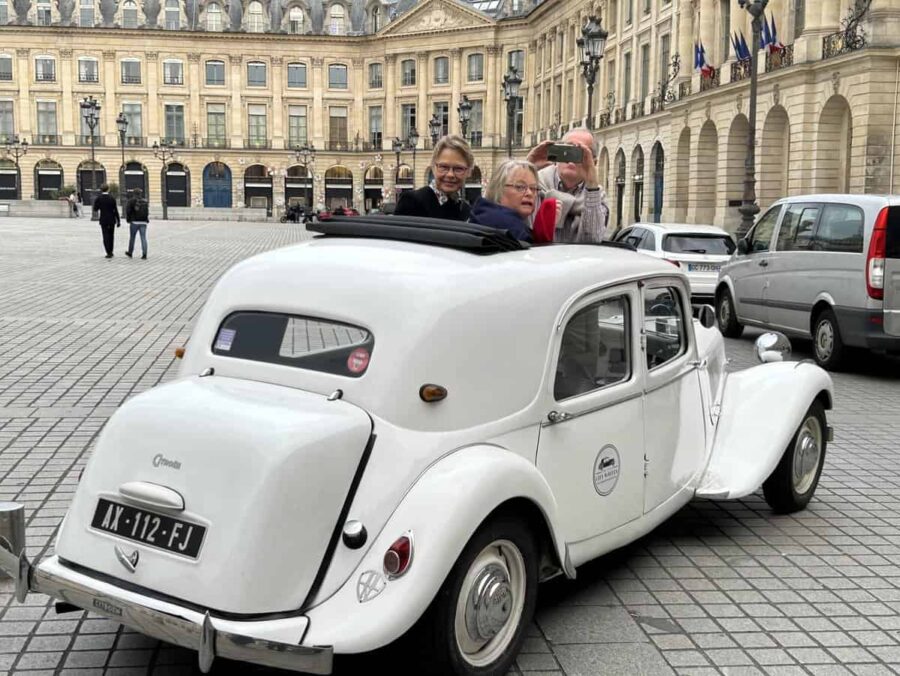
{"x": 108, "y": 212}
{"x": 137, "y": 214}
{"x": 73, "y": 205}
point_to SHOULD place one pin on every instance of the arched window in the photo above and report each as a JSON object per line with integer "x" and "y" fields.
{"x": 86, "y": 14}
{"x": 129, "y": 14}
{"x": 256, "y": 22}
{"x": 336, "y": 20}
{"x": 214, "y": 18}
{"x": 173, "y": 15}
{"x": 376, "y": 19}
{"x": 296, "y": 21}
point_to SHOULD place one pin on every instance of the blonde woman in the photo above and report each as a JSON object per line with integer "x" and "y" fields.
{"x": 451, "y": 162}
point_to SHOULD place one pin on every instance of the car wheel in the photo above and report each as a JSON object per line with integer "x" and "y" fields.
{"x": 729, "y": 325}
{"x": 476, "y": 624}
{"x": 791, "y": 486}
{"x": 828, "y": 348}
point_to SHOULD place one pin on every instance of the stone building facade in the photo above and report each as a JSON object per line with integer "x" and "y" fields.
{"x": 235, "y": 87}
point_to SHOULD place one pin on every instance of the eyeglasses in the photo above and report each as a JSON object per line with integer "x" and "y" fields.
{"x": 447, "y": 168}
{"x": 521, "y": 188}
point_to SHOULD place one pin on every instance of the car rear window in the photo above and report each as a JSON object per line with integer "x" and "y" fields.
{"x": 893, "y": 233}
{"x": 699, "y": 244}
{"x": 301, "y": 342}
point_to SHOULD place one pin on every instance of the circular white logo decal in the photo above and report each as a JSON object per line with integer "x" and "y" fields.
{"x": 606, "y": 470}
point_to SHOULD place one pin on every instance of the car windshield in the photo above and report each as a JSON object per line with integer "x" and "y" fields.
{"x": 301, "y": 342}
{"x": 699, "y": 244}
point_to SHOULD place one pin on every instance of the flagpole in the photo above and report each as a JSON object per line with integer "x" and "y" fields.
{"x": 749, "y": 208}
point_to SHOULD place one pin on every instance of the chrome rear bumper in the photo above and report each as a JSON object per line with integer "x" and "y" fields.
{"x": 162, "y": 620}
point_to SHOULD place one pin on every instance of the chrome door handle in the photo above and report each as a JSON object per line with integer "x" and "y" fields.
{"x": 558, "y": 417}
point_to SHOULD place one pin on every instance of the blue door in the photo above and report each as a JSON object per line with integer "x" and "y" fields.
{"x": 217, "y": 185}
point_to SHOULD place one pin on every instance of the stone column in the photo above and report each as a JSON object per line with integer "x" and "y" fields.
{"x": 685, "y": 39}
{"x": 154, "y": 128}
{"x": 108, "y": 131}
{"x": 494, "y": 98}
{"x": 27, "y": 107}
{"x": 69, "y": 110}
{"x": 423, "y": 112}
{"x": 391, "y": 128}
{"x": 278, "y": 132}
{"x": 358, "y": 112}
{"x": 237, "y": 127}
{"x": 318, "y": 109}
{"x": 456, "y": 67}
{"x": 830, "y": 15}
{"x": 195, "y": 114}
{"x": 529, "y": 123}
{"x": 707, "y": 29}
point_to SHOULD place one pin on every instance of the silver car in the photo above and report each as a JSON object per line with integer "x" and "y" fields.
{"x": 825, "y": 267}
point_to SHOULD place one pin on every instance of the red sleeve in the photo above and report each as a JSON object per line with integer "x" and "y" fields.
{"x": 545, "y": 222}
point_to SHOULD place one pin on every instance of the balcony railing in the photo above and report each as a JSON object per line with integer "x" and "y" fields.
{"x": 780, "y": 59}
{"x": 373, "y": 146}
{"x": 842, "y": 42}
{"x": 740, "y": 70}
{"x": 711, "y": 81}
{"x": 605, "y": 119}
{"x": 376, "y": 83}
{"x": 618, "y": 115}
{"x": 174, "y": 142}
{"x": 174, "y": 80}
{"x": 5, "y": 76}
{"x": 257, "y": 143}
{"x": 85, "y": 140}
{"x": 340, "y": 146}
{"x": 215, "y": 142}
{"x": 476, "y": 138}
{"x": 637, "y": 110}
{"x": 89, "y": 78}
{"x": 131, "y": 79}
{"x": 45, "y": 140}
{"x": 684, "y": 89}
{"x": 46, "y": 77}
{"x": 135, "y": 141}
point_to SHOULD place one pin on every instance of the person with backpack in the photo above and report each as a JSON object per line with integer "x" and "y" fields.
{"x": 137, "y": 213}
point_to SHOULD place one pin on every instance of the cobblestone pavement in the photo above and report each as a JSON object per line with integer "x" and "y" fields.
{"x": 723, "y": 587}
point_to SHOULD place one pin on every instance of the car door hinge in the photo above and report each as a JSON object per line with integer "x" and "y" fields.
{"x": 646, "y": 466}
{"x": 714, "y": 413}
{"x": 643, "y": 341}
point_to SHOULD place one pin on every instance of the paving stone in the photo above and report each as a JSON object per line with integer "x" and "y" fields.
{"x": 590, "y": 660}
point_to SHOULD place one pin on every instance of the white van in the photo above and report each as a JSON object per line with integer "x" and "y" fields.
{"x": 825, "y": 267}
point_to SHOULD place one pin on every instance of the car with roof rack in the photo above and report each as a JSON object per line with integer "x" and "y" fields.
{"x": 395, "y": 430}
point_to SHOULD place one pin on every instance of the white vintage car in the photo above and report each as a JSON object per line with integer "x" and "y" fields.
{"x": 398, "y": 429}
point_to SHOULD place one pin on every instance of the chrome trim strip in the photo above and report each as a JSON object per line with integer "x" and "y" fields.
{"x": 152, "y": 495}
{"x": 594, "y": 409}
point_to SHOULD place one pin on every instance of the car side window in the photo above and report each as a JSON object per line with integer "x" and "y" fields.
{"x": 594, "y": 352}
{"x": 761, "y": 238}
{"x": 797, "y": 227}
{"x": 841, "y": 229}
{"x": 649, "y": 241}
{"x": 663, "y": 326}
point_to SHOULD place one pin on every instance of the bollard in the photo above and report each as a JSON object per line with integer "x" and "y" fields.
{"x": 12, "y": 527}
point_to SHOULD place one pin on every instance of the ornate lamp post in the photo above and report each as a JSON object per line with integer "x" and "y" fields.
{"x": 591, "y": 44}
{"x": 306, "y": 155}
{"x": 397, "y": 147}
{"x": 464, "y": 109}
{"x": 511, "y": 82}
{"x": 17, "y": 149}
{"x": 750, "y": 208}
{"x": 122, "y": 124}
{"x": 412, "y": 140}
{"x": 434, "y": 129}
{"x": 90, "y": 111}
{"x": 165, "y": 152}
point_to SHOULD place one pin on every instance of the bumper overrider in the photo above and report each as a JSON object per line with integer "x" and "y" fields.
{"x": 159, "y": 619}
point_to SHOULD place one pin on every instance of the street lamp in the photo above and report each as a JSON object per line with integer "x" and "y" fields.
{"x": 90, "y": 111}
{"x": 591, "y": 44}
{"x": 306, "y": 154}
{"x": 412, "y": 140}
{"x": 397, "y": 147}
{"x": 511, "y": 82}
{"x": 122, "y": 124}
{"x": 17, "y": 149}
{"x": 464, "y": 109}
{"x": 164, "y": 151}
{"x": 749, "y": 208}
{"x": 434, "y": 129}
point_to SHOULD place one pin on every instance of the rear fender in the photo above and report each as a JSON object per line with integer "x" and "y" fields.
{"x": 442, "y": 511}
{"x": 761, "y": 409}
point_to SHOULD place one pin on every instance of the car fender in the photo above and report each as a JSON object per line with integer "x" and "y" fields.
{"x": 441, "y": 511}
{"x": 761, "y": 409}
{"x": 725, "y": 280}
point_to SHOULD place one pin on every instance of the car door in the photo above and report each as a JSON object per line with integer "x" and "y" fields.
{"x": 794, "y": 269}
{"x": 674, "y": 426}
{"x": 749, "y": 272}
{"x": 591, "y": 448}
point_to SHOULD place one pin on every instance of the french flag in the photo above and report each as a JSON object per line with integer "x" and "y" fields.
{"x": 775, "y": 45}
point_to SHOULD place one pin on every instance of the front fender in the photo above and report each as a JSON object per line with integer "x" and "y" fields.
{"x": 761, "y": 409}
{"x": 442, "y": 511}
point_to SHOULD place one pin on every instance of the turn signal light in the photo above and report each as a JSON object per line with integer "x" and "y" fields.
{"x": 179, "y": 352}
{"x": 431, "y": 393}
{"x": 398, "y": 558}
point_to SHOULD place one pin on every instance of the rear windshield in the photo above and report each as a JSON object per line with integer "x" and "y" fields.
{"x": 893, "y": 233}
{"x": 301, "y": 342}
{"x": 699, "y": 244}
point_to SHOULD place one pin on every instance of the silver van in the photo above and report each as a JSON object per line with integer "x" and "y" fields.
{"x": 825, "y": 267}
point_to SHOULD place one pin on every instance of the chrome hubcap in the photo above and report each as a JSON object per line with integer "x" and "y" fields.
{"x": 807, "y": 454}
{"x": 490, "y": 603}
{"x": 724, "y": 311}
{"x": 824, "y": 340}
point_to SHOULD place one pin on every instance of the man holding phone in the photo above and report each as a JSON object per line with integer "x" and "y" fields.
{"x": 568, "y": 174}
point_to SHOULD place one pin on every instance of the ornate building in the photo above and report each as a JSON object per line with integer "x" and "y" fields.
{"x": 235, "y": 87}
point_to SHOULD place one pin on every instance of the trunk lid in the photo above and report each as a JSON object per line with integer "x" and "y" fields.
{"x": 264, "y": 469}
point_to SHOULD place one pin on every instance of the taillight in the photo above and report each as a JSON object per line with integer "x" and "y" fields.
{"x": 876, "y": 256}
{"x": 398, "y": 557}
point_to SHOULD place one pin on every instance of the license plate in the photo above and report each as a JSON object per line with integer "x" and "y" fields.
{"x": 703, "y": 267}
{"x": 149, "y": 528}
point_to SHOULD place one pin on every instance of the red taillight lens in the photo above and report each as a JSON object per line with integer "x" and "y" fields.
{"x": 398, "y": 557}
{"x": 876, "y": 256}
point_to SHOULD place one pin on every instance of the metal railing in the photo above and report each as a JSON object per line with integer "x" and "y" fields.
{"x": 340, "y": 146}
{"x": 637, "y": 109}
{"x": 45, "y": 77}
{"x": 215, "y": 142}
{"x": 842, "y": 42}
{"x": 5, "y": 76}
{"x": 45, "y": 140}
{"x": 89, "y": 77}
{"x": 740, "y": 70}
{"x": 131, "y": 79}
{"x": 781, "y": 59}
{"x": 174, "y": 80}
{"x": 85, "y": 140}
{"x": 712, "y": 81}
{"x": 135, "y": 141}
{"x": 257, "y": 143}
{"x": 476, "y": 138}
{"x": 685, "y": 89}
{"x": 176, "y": 142}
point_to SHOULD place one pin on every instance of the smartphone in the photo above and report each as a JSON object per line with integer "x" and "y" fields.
{"x": 565, "y": 152}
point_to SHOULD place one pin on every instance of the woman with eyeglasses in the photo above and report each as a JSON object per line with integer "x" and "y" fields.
{"x": 451, "y": 163}
{"x": 510, "y": 200}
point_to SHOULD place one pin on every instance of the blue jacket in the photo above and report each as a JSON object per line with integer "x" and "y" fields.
{"x": 485, "y": 212}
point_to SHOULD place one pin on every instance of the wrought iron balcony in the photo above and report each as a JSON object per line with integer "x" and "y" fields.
{"x": 842, "y": 42}
{"x": 637, "y": 110}
{"x": 45, "y": 140}
{"x": 618, "y": 115}
{"x": 88, "y": 78}
{"x": 136, "y": 141}
{"x": 174, "y": 142}
{"x": 740, "y": 70}
{"x": 85, "y": 140}
{"x": 476, "y": 139}
{"x": 5, "y": 76}
{"x": 131, "y": 79}
{"x": 684, "y": 89}
{"x": 215, "y": 142}
{"x": 655, "y": 105}
{"x": 340, "y": 146}
{"x": 782, "y": 59}
{"x": 46, "y": 77}
{"x": 711, "y": 81}
{"x": 173, "y": 80}
{"x": 257, "y": 143}
{"x": 605, "y": 120}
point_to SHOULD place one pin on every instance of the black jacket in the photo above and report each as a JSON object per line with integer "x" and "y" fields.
{"x": 138, "y": 210}
{"x": 108, "y": 209}
{"x": 423, "y": 202}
